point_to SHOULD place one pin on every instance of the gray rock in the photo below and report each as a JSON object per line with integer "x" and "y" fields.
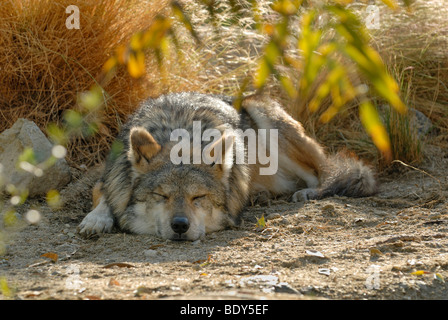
{"x": 421, "y": 122}
{"x": 284, "y": 287}
{"x": 417, "y": 120}
{"x": 13, "y": 141}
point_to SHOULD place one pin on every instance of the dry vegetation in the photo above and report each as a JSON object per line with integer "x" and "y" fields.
{"x": 414, "y": 46}
{"x": 45, "y": 66}
{"x": 412, "y": 43}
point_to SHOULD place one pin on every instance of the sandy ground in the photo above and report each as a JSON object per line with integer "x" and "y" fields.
{"x": 391, "y": 246}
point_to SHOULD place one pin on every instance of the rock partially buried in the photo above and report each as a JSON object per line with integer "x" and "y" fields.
{"x": 13, "y": 141}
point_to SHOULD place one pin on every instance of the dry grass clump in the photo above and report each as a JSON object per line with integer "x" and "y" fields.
{"x": 230, "y": 53}
{"x": 415, "y": 47}
{"x": 44, "y": 65}
{"x": 230, "y": 46}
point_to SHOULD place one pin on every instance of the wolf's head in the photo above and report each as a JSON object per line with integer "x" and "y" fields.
{"x": 179, "y": 202}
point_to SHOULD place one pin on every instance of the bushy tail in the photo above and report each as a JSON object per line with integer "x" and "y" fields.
{"x": 347, "y": 176}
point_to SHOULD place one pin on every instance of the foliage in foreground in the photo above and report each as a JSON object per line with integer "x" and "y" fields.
{"x": 320, "y": 58}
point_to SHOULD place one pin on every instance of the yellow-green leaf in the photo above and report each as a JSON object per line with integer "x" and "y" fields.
{"x": 344, "y": 2}
{"x": 391, "y": 3}
{"x": 325, "y": 87}
{"x": 375, "y": 252}
{"x": 371, "y": 65}
{"x": 28, "y": 155}
{"x": 272, "y": 52}
{"x": 261, "y": 223}
{"x": 110, "y": 64}
{"x": 10, "y": 218}
{"x": 286, "y": 7}
{"x": 288, "y": 86}
{"x": 74, "y": 118}
{"x": 330, "y": 113}
{"x": 136, "y": 43}
{"x": 151, "y": 38}
{"x": 356, "y": 54}
{"x": 54, "y": 199}
{"x": 439, "y": 277}
{"x": 136, "y": 64}
{"x": 57, "y": 134}
{"x": 121, "y": 54}
{"x": 89, "y": 100}
{"x": 263, "y": 73}
{"x": 375, "y": 128}
{"x": 181, "y": 15}
{"x": 4, "y": 287}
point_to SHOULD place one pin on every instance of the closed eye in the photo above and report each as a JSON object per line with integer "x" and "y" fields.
{"x": 160, "y": 195}
{"x": 198, "y": 197}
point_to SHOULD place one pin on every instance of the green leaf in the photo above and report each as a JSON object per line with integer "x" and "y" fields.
{"x": 391, "y": 4}
{"x": 288, "y": 86}
{"x": 54, "y": 199}
{"x": 90, "y": 100}
{"x": 286, "y": 7}
{"x": 57, "y": 134}
{"x": 369, "y": 63}
{"x": 181, "y": 15}
{"x": 308, "y": 44}
{"x": 136, "y": 42}
{"x": 152, "y": 37}
{"x": 263, "y": 72}
{"x": 261, "y": 223}
{"x": 73, "y": 119}
{"x": 375, "y": 128}
{"x": 10, "y": 218}
{"x": 136, "y": 64}
{"x": 116, "y": 149}
{"x": 28, "y": 155}
{"x": 439, "y": 277}
{"x": 4, "y": 287}
{"x": 324, "y": 88}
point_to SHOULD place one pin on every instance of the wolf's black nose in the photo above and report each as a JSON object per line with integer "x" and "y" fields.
{"x": 180, "y": 224}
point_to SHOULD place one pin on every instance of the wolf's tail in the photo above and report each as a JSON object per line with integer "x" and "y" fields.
{"x": 347, "y": 176}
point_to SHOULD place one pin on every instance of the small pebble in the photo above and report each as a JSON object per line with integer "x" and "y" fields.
{"x": 150, "y": 253}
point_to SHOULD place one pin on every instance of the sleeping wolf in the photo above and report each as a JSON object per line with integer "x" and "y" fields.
{"x": 155, "y": 186}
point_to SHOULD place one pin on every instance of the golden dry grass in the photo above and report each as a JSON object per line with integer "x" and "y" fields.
{"x": 402, "y": 42}
{"x": 415, "y": 47}
{"x": 45, "y": 65}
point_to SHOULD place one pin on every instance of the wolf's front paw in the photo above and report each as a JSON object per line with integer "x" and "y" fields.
{"x": 99, "y": 220}
{"x": 304, "y": 195}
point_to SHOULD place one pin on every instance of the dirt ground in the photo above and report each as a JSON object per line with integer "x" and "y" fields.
{"x": 391, "y": 246}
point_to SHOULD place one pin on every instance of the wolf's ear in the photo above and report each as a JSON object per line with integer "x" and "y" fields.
{"x": 143, "y": 148}
{"x": 219, "y": 154}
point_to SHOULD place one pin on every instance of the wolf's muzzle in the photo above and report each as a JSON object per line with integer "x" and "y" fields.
{"x": 180, "y": 225}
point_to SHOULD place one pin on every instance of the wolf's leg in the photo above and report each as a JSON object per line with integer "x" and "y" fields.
{"x": 99, "y": 220}
{"x": 304, "y": 195}
{"x": 300, "y": 158}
